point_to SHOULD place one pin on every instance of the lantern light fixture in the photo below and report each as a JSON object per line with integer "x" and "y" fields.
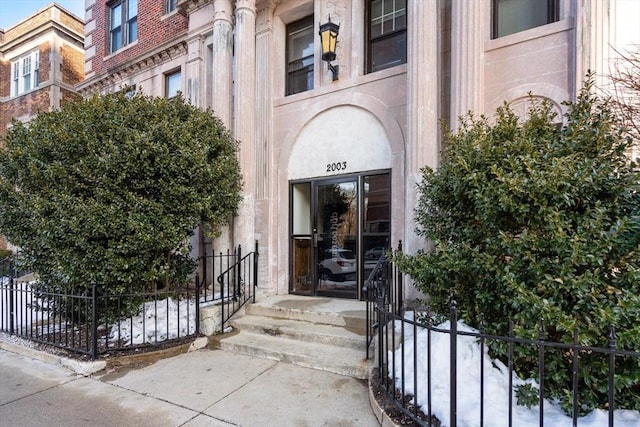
{"x": 328, "y": 41}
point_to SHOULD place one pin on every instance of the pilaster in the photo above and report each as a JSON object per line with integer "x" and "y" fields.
{"x": 467, "y": 30}
{"x": 423, "y": 93}
{"x": 194, "y": 74}
{"x": 222, "y": 55}
{"x": 244, "y": 123}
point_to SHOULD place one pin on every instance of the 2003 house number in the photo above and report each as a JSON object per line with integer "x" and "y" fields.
{"x": 338, "y": 166}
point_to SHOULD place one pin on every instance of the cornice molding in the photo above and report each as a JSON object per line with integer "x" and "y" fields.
{"x": 117, "y": 74}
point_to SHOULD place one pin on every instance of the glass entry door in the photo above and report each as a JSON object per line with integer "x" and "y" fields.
{"x": 336, "y": 234}
{"x": 339, "y": 227}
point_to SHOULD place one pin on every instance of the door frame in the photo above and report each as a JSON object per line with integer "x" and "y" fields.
{"x": 314, "y": 183}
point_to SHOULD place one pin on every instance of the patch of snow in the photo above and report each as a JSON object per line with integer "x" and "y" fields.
{"x": 158, "y": 321}
{"x": 22, "y": 297}
{"x": 496, "y": 384}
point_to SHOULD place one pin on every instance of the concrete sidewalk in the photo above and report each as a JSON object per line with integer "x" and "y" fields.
{"x": 198, "y": 388}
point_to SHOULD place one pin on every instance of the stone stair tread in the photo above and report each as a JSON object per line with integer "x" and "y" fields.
{"x": 341, "y": 360}
{"x": 299, "y": 329}
{"x": 354, "y": 320}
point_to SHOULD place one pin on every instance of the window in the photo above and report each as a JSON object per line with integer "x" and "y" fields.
{"x": 170, "y": 5}
{"x": 172, "y": 84}
{"x": 512, "y": 16}
{"x": 300, "y": 36}
{"x": 123, "y": 24}
{"x": 25, "y": 73}
{"x": 387, "y": 34}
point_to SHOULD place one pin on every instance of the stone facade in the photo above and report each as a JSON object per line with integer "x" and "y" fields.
{"x": 57, "y": 38}
{"x": 232, "y": 56}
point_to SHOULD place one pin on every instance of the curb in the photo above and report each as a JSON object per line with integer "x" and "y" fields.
{"x": 77, "y": 366}
{"x": 378, "y": 410}
{"x": 87, "y": 368}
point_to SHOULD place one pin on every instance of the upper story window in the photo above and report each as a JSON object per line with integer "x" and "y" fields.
{"x": 300, "y": 36}
{"x": 512, "y": 16}
{"x": 123, "y": 23}
{"x": 172, "y": 84}
{"x": 170, "y": 5}
{"x": 386, "y": 33}
{"x": 25, "y": 73}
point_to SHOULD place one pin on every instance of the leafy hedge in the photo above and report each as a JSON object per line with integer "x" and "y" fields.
{"x": 107, "y": 190}
{"x": 534, "y": 222}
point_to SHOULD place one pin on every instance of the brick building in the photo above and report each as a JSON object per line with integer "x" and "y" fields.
{"x": 41, "y": 62}
{"x": 308, "y": 139}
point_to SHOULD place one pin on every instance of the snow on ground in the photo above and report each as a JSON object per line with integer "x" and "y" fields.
{"x": 22, "y": 301}
{"x": 158, "y": 321}
{"x": 496, "y": 377}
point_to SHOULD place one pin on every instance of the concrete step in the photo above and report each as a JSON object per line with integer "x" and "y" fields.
{"x": 300, "y": 330}
{"x": 341, "y": 360}
{"x": 349, "y": 314}
{"x": 321, "y": 333}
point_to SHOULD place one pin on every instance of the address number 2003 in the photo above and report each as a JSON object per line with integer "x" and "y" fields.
{"x": 338, "y": 166}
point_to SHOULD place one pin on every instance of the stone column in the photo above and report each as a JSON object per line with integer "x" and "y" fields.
{"x": 244, "y": 123}
{"x": 467, "y": 30}
{"x": 265, "y": 222}
{"x": 222, "y": 84}
{"x": 423, "y": 94}
{"x": 222, "y": 56}
{"x": 193, "y": 73}
{"x": 592, "y": 42}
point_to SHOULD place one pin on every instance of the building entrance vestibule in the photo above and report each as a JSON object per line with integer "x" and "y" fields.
{"x": 339, "y": 228}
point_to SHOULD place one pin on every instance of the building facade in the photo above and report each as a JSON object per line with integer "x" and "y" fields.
{"x": 41, "y": 62}
{"x": 331, "y": 164}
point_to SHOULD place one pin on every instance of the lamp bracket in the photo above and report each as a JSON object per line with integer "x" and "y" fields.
{"x": 334, "y": 70}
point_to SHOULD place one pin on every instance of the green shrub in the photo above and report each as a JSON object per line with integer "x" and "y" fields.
{"x": 535, "y": 222}
{"x": 107, "y": 191}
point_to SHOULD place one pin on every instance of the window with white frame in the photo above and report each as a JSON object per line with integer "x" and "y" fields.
{"x": 170, "y": 5}
{"x": 172, "y": 83}
{"x": 25, "y": 73}
{"x": 123, "y": 24}
{"x": 387, "y": 34}
{"x": 513, "y": 16}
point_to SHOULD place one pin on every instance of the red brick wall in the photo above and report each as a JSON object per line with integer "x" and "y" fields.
{"x": 72, "y": 65}
{"x": 5, "y": 78}
{"x": 68, "y": 95}
{"x": 45, "y": 61}
{"x": 28, "y": 25}
{"x": 152, "y": 32}
{"x": 25, "y": 105}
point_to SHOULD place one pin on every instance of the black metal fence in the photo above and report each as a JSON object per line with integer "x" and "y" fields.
{"x": 229, "y": 279}
{"x": 93, "y": 322}
{"x": 401, "y": 360}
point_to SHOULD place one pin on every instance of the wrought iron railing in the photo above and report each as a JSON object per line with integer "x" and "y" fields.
{"x": 400, "y": 359}
{"x": 93, "y": 321}
{"x": 236, "y": 277}
{"x": 382, "y": 288}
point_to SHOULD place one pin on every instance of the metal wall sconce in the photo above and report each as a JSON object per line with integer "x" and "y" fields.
{"x": 328, "y": 41}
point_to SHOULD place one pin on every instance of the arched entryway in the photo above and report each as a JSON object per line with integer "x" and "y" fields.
{"x": 339, "y": 202}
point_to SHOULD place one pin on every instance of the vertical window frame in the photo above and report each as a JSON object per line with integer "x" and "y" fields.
{"x": 170, "y": 6}
{"x": 371, "y": 40}
{"x": 15, "y": 78}
{"x": 25, "y": 73}
{"x": 177, "y": 72}
{"x": 123, "y": 23}
{"x": 305, "y": 24}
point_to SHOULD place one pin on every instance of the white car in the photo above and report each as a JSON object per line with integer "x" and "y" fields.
{"x": 339, "y": 264}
